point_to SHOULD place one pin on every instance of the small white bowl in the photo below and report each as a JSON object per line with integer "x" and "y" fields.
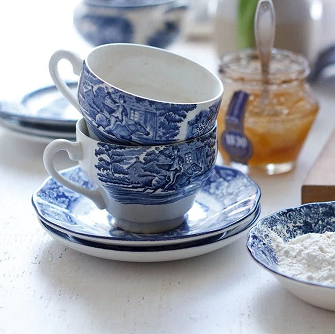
{"x": 288, "y": 224}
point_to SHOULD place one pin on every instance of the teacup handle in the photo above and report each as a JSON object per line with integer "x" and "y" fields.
{"x": 77, "y": 64}
{"x": 75, "y": 153}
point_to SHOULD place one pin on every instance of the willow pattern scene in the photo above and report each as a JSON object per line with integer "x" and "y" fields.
{"x": 116, "y": 115}
{"x": 171, "y": 170}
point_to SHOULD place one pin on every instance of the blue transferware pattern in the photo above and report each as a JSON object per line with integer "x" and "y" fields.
{"x": 166, "y": 34}
{"x": 116, "y": 29}
{"x": 288, "y": 224}
{"x": 105, "y": 22}
{"x": 227, "y": 198}
{"x": 112, "y": 29}
{"x": 160, "y": 174}
{"x": 45, "y": 106}
{"x": 115, "y": 115}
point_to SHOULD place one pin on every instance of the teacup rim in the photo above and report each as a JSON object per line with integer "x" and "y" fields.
{"x": 84, "y": 133}
{"x": 133, "y": 45}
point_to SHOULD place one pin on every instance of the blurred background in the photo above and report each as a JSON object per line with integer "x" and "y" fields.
{"x": 30, "y": 31}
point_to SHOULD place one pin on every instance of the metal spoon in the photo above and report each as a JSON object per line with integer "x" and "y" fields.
{"x": 265, "y": 28}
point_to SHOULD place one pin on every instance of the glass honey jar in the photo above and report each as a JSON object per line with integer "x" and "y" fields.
{"x": 263, "y": 122}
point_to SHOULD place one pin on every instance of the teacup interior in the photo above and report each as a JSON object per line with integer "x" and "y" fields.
{"x": 154, "y": 73}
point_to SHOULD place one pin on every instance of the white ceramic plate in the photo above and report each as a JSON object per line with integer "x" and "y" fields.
{"x": 148, "y": 254}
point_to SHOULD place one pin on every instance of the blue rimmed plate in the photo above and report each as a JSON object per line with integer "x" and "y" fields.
{"x": 150, "y": 254}
{"x": 227, "y": 199}
{"x": 44, "y": 106}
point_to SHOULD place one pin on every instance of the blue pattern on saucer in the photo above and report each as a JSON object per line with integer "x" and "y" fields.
{"x": 288, "y": 224}
{"x": 226, "y": 200}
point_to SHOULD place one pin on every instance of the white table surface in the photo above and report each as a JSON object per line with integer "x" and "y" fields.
{"x": 47, "y": 288}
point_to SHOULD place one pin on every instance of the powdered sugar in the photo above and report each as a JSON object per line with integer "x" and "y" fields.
{"x": 309, "y": 257}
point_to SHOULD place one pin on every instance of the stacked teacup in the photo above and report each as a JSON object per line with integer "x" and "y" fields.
{"x": 148, "y": 133}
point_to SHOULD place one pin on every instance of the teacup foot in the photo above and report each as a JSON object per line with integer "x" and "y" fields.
{"x": 154, "y": 227}
{"x": 150, "y": 218}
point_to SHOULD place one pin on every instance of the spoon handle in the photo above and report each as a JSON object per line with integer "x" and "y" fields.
{"x": 265, "y": 28}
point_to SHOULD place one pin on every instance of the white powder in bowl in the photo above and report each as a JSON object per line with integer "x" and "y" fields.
{"x": 309, "y": 257}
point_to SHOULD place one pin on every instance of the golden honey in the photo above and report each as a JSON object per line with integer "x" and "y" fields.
{"x": 276, "y": 122}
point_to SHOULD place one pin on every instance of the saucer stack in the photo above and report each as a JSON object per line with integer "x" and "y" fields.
{"x": 225, "y": 208}
{"x": 41, "y": 115}
{"x": 147, "y": 139}
{"x": 147, "y": 187}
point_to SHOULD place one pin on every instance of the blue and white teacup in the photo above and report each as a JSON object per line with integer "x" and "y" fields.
{"x": 151, "y": 22}
{"x": 136, "y": 94}
{"x": 147, "y": 189}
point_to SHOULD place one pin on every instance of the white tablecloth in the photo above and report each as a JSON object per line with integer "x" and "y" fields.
{"x": 47, "y": 288}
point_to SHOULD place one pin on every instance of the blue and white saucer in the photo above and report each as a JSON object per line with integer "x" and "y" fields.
{"x": 228, "y": 199}
{"x": 153, "y": 253}
{"x": 42, "y": 115}
{"x": 44, "y": 106}
{"x": 35, "y": 132}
